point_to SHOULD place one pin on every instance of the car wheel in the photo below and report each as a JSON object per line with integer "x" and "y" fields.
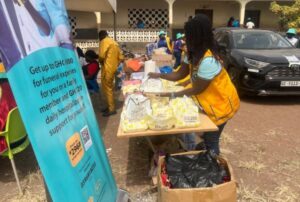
{"x": 234, "y": 75}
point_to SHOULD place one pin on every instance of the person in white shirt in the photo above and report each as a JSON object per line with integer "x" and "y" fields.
{"x": 291, "y": 36}
{"x": 250, "y": 24}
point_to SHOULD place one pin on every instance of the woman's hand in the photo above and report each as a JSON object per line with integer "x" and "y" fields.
{"x": 153, "y": 75}
{"x": 160, "y": 94}
{"x": 163, "y": 94}
{"x": 184, "y": 84}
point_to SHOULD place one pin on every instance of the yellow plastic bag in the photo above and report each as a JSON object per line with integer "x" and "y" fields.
{"x": 186, "y": 113}
{"x": 171, "y": 86}
{"x": 130, "y": 126}
{"x": 162, "y": 118}
{"x": 136, "y": 113}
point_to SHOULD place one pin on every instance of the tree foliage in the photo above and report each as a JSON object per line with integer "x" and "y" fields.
{"x": 289, "y": 16}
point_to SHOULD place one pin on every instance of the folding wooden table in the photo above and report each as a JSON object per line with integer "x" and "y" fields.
{"x": 206, "y": 125}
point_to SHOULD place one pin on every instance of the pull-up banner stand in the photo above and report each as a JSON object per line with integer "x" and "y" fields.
{"x": 46, "y": 79}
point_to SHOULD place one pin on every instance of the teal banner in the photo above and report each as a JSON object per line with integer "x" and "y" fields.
{"x": 48, "y": 85}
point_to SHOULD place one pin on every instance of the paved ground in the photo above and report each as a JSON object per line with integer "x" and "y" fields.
{"x": 261, "y": 142}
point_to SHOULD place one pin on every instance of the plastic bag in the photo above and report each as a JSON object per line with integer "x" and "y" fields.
{"x": 134, "y": 64}
{"x": 133, "y": 125}
{"x": 137, "y": 107}
{"x": 137, "y": 76}
{"x": 131, "y": 86}
{"x": 156, "y": 102}
{"x": 136, "y": 113}
{"x": 170, "y": 86}
{"x": 187, "y": 113}
{"x": 166, "y": 70}
{"x": 162, "y": 118}
{"x": 195, "y": 171}
{"x": 152, "y": 86}
{"x": 160, "y": 51}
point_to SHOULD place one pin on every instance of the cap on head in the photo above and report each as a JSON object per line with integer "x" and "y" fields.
{"x": 161, "y": 33}
{"x": 179, "y": 36}
{"x": 292, "y": 31}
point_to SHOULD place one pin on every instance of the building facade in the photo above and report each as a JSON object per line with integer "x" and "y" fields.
{"x": 171, "y": 15}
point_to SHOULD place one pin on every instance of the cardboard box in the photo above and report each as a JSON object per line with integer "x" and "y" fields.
{"x": 162, "y": 57}
{"x": 226, "y": 192}
{"x": 162, "y": 60}
{"x": 161, "y": 64}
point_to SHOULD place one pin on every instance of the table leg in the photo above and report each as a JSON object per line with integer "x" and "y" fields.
{"x": 150, "y": 144}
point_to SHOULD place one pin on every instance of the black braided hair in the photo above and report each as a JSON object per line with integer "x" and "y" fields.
{"x": 199, "y": 38}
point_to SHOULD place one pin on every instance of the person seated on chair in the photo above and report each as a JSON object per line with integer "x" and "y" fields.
{"x": 91, "y": 70}
{"x": 7, "y": 103}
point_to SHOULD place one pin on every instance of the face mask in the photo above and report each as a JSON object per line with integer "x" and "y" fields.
{"x": 290, "y": 36}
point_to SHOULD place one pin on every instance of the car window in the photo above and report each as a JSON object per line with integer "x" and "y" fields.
{"x": 219, "y": 36}
{"x": 225, "y": 39}
{"x": 259, "y": 40}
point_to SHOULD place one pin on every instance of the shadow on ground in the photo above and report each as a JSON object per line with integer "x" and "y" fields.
{"x": 99, "y": 105}
{"x": 138, "y": 164}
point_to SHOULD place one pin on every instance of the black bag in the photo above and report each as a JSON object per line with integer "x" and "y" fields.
{"x": 194, "y": 171}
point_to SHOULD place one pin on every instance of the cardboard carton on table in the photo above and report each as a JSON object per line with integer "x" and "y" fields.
{"x": 162, "y": 60}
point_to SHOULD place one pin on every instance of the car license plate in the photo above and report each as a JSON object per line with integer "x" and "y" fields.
{"x": 290, "y": 84}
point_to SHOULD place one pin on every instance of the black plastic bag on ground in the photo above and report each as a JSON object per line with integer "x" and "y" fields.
{"x": 194, "y": 171}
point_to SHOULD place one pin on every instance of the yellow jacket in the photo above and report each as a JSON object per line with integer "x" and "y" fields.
{"x": 169, "y": 44}
{"x": 2, "y": 70}
{"x": 110, "y": 55}
{"x": 219, "y": 100}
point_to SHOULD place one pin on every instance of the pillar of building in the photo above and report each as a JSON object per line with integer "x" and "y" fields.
{"x": 170, "y": 3}
{"x": 243, "y": 4}
{"x": 98, "y": 20}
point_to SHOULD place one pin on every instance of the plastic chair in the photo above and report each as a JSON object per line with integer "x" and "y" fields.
{"x": 15, "y": 134}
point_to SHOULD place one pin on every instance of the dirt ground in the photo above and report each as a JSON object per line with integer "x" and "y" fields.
{"x": 261, "y": 142}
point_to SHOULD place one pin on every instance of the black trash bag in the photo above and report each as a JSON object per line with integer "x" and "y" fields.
{"x": 194, "y": 171}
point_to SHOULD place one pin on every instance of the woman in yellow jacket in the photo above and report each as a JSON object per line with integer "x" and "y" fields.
{"x": 110, "y": 57}
{"x": 210, "y": 85}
